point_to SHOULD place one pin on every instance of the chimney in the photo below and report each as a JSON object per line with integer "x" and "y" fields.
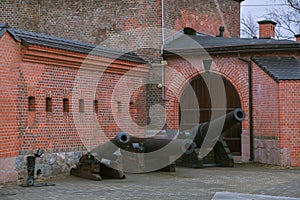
{"x": 297, "y": 37}
{"x": 221, "y": 29}
{"x": 266, "y": 29}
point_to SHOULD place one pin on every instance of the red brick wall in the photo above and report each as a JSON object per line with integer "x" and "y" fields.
{"x": 23, "y": 131}
{"x": 276, "y": 123}
{"x": 265, "y": 104}
{"x": 205, "y": 16}
{"x": 53, "y": 131}
{"x": 265, "y": 118}
{"x": 58, "y": 131}
{"x": 122, "y": 104}
{"x": 9, "y": 96}
{"x": 289, "y": 101}
{"x": 92, "y": 21}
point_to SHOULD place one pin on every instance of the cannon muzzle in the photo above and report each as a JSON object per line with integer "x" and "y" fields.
{"x": 122, "y": 138}
{"x": 216, "y": 127}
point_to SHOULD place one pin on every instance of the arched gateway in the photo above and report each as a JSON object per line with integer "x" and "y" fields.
{"x": 203, "y": 85}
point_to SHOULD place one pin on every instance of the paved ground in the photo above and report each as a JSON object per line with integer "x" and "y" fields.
{"x": 251, "y": 182}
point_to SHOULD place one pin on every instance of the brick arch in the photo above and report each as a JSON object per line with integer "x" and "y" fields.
{"x": 240, "y": 84}
{"x": 237, "y": 83}
{"x": 237, "y": 74}
{"x": 234, "y": 100}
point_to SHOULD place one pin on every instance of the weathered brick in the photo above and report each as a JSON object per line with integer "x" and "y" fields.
{"x": 102, "y": 22}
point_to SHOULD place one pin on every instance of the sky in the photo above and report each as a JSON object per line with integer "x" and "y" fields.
{"x": 259, "y": 7}
{"x": 255, "y": 8}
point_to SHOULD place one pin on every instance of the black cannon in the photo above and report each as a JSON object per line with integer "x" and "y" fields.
{"x": 138, "y": 154}
{"x": 130, "y": 154}
{"x": 208, "y": 140}
{"x": 187, "y": 148}
{"x": 102, "y": 162}
{"x": 93, "y": 168}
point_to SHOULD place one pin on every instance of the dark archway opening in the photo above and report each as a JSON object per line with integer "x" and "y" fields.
{"x": 201, "y": 85}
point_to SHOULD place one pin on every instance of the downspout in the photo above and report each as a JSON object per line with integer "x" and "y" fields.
{"x": 162, "y": 26}
{"x": 163, "y": 62}
{"x": 250, "y": 104}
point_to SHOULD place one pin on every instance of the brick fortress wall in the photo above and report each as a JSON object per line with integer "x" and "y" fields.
{"x": 97, "y": 22}
{"x": 41, "y": 109}
{"x": 129, "y": 25}
{"x": 93, "y": 21}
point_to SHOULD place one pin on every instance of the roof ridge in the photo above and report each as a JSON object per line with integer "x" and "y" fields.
{"x": 180, "y": 43}
{"x": 41, "y": 39}
{"x": 4, "y": 25}
{"x": 46, "y": 36}
{"x": 279, "y": 67}
{"x": 181, "y": 33}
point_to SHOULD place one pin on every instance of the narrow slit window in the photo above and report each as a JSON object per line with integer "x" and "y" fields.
{"x": 81, "y": 105}
{"x": 66, "y": 105}
{"x": 95, "y": 106}
{"x": 119, "y": 104}
{"x": 48, "y": 104}
{"x": 31, "y": 103}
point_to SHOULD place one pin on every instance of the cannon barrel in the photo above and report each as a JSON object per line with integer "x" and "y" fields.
{"x": 199, "y": 133}
{"x": 144, "y": 154}
{"x": 215, "y": 126}
{"x": 130, "y": 143}
{"x": 150, "y": 144}
{"x": 107, "y": 149}
{"x": 166, "y": 149}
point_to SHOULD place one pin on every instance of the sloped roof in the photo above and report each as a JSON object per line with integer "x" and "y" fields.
{"x": 32, "y": 38}
{"x": 279, "y": 68}
{"x": 182, "y": 43}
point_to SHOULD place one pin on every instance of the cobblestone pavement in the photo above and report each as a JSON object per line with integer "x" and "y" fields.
{"x": 185, "y": 183}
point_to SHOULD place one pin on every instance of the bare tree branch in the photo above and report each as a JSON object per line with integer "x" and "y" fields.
{"x": 249, "y": 27}
{"x": 286, "y": 17}
{"x": 294, "y": 4}
{"x": 288, "y": 21}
